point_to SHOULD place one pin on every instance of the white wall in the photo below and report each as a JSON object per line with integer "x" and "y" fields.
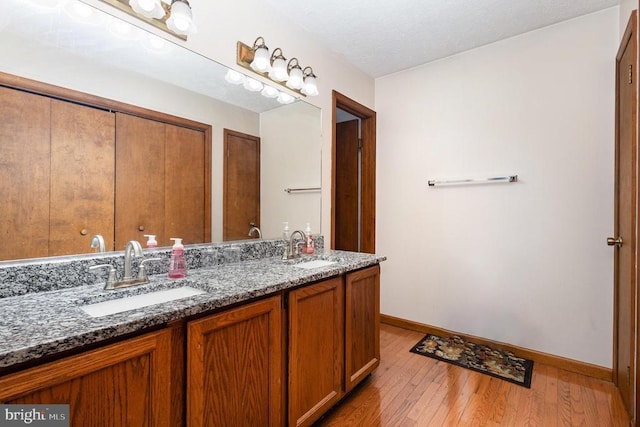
{"x": 626, "y": 6}
{"x": 522, "y": 263}
{"x": 290, "y": 158}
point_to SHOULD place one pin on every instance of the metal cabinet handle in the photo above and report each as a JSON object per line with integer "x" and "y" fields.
{"x": 614, "y": 242}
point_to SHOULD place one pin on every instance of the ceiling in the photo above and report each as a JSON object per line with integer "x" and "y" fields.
{"x": 385, "y": 36}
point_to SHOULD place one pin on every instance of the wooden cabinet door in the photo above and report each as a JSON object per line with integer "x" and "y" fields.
{"x": 316, "y": 350}
{"x": 24, "y": 174}
{"x": 362, "y": 325}
{"x": 82, "y": 177}
{"x": 162, "y": 182}
{"x": 140, "y": 171}
{"x": 124, "y": 384}
{"x": 234, "y": 368}
{"x": 186, "y": 185}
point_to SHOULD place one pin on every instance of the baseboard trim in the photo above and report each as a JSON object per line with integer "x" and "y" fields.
{"x": 559, "y": 362}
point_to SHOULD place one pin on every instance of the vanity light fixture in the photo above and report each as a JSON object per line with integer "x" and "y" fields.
{"x": 180, "y": 18}
{"x": 278, "y": 70}
{"x": 147, "y": 8}
{"x": 260, "y": 62}
{"x": 234, "y": 77}
{"x": 270, "y": 92}
{"x": 253, "y": 85}
{"x": 309, "y": 87}
{"x": 296, "y": 78}
{"x": 173, "y": 16}
{"x": 285, "y": 98}
{"x": 275, "y": 67}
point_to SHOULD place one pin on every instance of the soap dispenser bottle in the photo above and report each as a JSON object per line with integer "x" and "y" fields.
{"x": 177, "y": 265}
{"x": 285, "y": 231}
{"x": 151, "y": 241}
{"x": 310, "y": 247}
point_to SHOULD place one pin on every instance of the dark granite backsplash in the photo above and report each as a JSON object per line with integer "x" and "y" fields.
{"x": 46, "y": 274}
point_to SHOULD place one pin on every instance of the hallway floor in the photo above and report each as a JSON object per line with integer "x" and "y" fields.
{"x": 412, "y": 390}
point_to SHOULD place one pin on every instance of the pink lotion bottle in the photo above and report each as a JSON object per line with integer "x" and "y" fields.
{"x": 310, "y": 246}
{"x": 177, "y": 265}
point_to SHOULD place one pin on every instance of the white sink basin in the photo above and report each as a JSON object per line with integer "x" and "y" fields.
{"x": 119, "y": 305}
{"x": 314, "y": 264}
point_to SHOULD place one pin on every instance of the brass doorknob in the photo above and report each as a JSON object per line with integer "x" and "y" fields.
{"x": 614, "y": 242}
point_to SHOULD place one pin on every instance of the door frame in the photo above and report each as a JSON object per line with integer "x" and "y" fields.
{"x": 368, "y": 200}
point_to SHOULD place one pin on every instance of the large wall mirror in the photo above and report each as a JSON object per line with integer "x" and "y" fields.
{"x": 69, "y": 44}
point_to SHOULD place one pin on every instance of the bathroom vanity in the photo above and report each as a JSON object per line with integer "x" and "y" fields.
{"x": 268, "y": 342}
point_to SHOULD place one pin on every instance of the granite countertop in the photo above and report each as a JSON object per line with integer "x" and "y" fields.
{"x": 45, "y": 323}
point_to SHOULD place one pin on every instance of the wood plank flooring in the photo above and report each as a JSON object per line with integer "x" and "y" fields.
{"x": 412, "y": 390}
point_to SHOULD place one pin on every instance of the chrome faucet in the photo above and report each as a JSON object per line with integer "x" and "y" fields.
{"x": 254, "y": 228}
{"x": 97, "y": 242}
{"x": 132, "y": 245}
{"x": 292, "y": 250}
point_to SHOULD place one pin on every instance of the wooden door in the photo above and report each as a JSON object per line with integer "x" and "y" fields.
{"x": 316, "y": 350}
{"x": 140, "y": 171}
{"x": 347, "y": 206}
{"x": 123, "y": 384}
{"x": 24, "y": 174}
{"x": 82, "y": 177}
{"x": 241, "y": 206}
{"x": 625, "y": 332}
{"x": 362, "y": 325}
{"x": 235, "y": 367}
{"x": 186, "y": 186}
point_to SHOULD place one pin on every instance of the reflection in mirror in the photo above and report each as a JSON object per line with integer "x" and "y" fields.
{"x": 107, "y": 57}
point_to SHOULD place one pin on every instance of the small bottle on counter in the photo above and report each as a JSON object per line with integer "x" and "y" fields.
{"x": 177, "y": 265}
{"x": 285, "y": 231}
{"x": 310, "y": 247}
{"x": 151, "y": 241}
